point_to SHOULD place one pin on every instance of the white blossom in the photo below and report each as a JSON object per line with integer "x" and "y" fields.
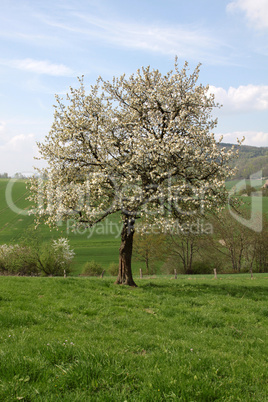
{"x": 142, "y": 145}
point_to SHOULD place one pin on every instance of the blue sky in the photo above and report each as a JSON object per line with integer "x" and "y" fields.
{"x": 45, "y": 45}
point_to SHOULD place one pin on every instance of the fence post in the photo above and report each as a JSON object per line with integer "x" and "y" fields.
{"x": 175, "y": 274}
{"x": 140, "y": 273}
{"x": 215, "y": 273}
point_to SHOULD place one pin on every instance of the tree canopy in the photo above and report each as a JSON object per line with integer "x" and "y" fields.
{"x": 142, "y": 145}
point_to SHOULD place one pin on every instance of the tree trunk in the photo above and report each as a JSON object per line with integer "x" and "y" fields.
{"x": 189, "y": 270}
{"x": 147, "y": 264}
{"x": 125, "y": 253}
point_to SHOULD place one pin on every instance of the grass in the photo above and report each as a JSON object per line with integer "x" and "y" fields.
{"x": 83, "y": 339}
{"x": 97, "y": 244}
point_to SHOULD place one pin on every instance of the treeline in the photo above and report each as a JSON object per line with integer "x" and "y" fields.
{"x": 17, "y": 175}
{"x": 222, "y": 243}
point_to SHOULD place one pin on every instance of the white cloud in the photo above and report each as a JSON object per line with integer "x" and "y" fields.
{"x": 17, "y": 154}
{"x": 256, "y": 11}
{"x": 39, "y": 67}
{"x": 254, "y": 138}
{"x": 18, "y": 142}
{"x": 187, "y": 41}
{"x": 244, "y": 98}
{"x": 2, "y": 126}
{"x": 4, "y": 132}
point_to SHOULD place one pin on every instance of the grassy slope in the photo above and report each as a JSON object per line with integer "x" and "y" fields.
{"x": 80, "y": 339}
{"x": 12, "y": 224}
{"x": 88, "y": 246}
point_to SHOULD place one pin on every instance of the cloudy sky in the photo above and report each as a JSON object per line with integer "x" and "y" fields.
{"x": 45, "y": 45}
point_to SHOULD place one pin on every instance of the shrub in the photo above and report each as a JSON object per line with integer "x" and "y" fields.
{"x": 92, "y": 268}
{"x": 62, "y": 250}
{"x": 56, "y": 257}
{"x": 248, "y": 190}
{"x": 169, "y": 266}
{"x": 50, "y": 259}
{"x": 24, "y": 262}
{"x": 49, "y": 263}
{"x": 202, "y": 267}
{"x": 7, "y": 253}
{"x": 265, "y": 191}
{"x": 17, "y": 260}
{"x": 113, "y": 269}
{"x": 198, "y": 267}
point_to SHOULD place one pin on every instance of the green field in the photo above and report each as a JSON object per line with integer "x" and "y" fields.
{"x": 92, "y": 245}
{"x": 86, "y": 339}
{"x": 100, "y": 244}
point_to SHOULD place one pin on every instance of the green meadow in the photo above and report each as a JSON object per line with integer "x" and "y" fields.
{"x": 100, "y": 243}
{"x": 86, "y": 339}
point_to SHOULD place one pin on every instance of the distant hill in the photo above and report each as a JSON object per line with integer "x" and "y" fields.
{"x": 251, "y": 160}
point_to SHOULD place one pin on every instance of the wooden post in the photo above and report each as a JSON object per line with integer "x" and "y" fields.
{"x": 64, "y": 273}
{"x": 175, "y": 274}
{"x": 215, "y": 273}
{"x": 140, "y": 273}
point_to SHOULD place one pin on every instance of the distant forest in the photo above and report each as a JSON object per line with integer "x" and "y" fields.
{"x": 251, "y": 160}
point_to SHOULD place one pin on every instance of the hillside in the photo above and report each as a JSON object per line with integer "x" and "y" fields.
{"x": 251, "y": 160}
{"x": 100, "y": 243}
